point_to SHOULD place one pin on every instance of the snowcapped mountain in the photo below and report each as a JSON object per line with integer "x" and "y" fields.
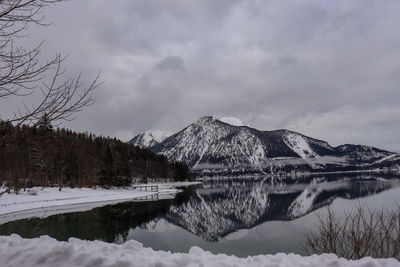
{"x": 227, "y": 145}
{"x": 149, "y": 138}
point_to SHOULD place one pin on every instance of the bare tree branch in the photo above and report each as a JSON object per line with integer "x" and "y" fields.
{"x": 359, "y": 233}
{"x": 22, "y": 73}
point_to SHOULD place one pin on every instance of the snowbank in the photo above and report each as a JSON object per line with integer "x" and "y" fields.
{"x": 46, "y": 251}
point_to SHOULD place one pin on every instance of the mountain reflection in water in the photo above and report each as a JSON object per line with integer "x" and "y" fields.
{"x": 236, "y": 216}
{"x": 222, "y": 207}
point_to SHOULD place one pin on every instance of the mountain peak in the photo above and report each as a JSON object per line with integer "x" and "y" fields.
{"x": 149, "y": 138}
{"x": 222, "y": 145}
{"x": 232, "y": 121}
{"x": 205, "y": 119}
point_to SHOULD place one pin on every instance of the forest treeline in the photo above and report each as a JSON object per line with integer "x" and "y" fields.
{"x": 43, "y": 156}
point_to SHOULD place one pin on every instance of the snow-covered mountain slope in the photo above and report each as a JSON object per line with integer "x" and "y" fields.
{"x": 210, "y": 141}
{"x": 219, "y": 145}
{"x": 365, "y": 154}
{"x": 149, "y": 138}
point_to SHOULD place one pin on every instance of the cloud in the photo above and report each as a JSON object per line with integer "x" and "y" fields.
{"x": 171, "y": 63}
{"x": 328, "y": 69}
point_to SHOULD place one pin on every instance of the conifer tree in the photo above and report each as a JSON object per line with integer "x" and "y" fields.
{"x": 107, "y": 172}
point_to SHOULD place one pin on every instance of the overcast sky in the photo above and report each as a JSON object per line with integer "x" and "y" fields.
{"x": 328, "y": 69}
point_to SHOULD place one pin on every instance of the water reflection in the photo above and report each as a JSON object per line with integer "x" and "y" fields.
{"x": 234, "y": 216}
{"x": 109, "y": 223}
{"x": 226, "y": 206}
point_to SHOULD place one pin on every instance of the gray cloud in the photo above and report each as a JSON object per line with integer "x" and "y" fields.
{"x": 328, "y": 69}
{"x": 171, "y": 63}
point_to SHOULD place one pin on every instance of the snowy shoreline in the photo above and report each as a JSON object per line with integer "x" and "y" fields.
{"x": 289, "y": 175}
{"x": 49, "y": 200}
{"x": 46, "y": 251}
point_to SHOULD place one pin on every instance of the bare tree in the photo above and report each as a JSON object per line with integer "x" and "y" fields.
{"x": 359, "y": 233}
{"x": 22, "y": 72}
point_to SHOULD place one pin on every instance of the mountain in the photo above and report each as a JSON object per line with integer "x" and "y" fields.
{"x": 226, "y": 146}
{"x": 149, "y": 138}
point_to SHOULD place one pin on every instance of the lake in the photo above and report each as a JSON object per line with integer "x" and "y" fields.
{"x": 239, "y": 216}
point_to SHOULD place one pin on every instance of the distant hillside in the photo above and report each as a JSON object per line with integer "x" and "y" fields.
{"x": 45, "y": 157}
{"x": 212, "y": 145}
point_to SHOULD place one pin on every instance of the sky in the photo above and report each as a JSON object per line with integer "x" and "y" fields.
{"x": 327, "y": 69}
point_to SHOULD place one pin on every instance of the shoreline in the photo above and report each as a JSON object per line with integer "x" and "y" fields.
{"x": 50, "y": 201}
{"x": 291, "y": 176}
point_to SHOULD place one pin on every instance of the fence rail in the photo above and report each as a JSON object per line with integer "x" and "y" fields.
{"x": 147, "y": 188}
{"x": 147, "y": 198}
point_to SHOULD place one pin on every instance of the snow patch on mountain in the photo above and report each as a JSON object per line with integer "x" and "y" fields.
{"x": 299, "y": 145}
{"x": 232, "y": 121}
{"x": 158, "y": 135}
{"x": 389, "y": 157}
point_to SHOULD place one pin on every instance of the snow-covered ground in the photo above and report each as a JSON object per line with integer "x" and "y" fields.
{"x": 38, "y": 202}
{"x": 46, "y": 251}
{"x": 175, "y": 184}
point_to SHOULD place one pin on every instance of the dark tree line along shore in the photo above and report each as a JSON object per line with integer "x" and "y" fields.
{"x": 41, "y": 156}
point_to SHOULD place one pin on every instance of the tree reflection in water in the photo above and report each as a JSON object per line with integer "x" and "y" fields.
{"x": 108, "y": 223}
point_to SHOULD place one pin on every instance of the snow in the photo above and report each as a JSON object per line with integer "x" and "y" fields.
{"x": 392, "y": 156}
{"x": 49, "y": 201}
{"x": 51, "y": 196}
{"x": 175, "y": 184}
{"x": 48, "y": 252}
{"x": 299, "y": 145}
{"x": 158, "y": 135}
{"x": 151, "y": 137}
{"x": 204, "y": 141}
{"x": 232, "y": 121}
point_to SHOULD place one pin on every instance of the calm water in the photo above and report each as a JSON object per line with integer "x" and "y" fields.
{"x": 234, "y": 216}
